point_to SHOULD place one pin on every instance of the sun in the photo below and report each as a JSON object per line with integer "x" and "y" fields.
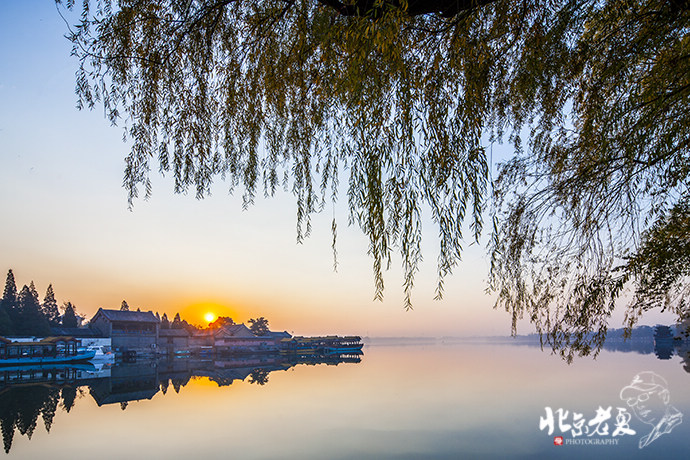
{"x": 210, "y": 317}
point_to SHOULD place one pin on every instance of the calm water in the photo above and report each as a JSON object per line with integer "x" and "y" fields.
{"x": 417, "y": 401}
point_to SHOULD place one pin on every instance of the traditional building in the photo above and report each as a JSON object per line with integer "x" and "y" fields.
{"x": 239, "y": 338}
{"x": 201, "y": 340}
{"x": 278, "y": 336}
{"x": 173, "y": 340}
{"x": 128, "y": 330}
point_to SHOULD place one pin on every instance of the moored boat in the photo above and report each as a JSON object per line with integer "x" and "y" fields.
{"x": 46, "y": 351}
{"x": 322, "y": 345}
{"x": 102, "y": 354}
{"x": 345, "y": 349}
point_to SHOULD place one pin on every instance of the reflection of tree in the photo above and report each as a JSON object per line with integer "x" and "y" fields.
{"x": 22, "y": 404}
{"x": 684, "y": 352}
{"x": 164, "y": 385}
{"x": 259, "y": 376}
{"x": 686, "y": 362}
{"x": 222, "y": 381}
{"x": 20, "y": 408}
{"x": 7, "y": 432}
{"x": 178, "y": 381}
{"x": 69, "y": 394}
{"x": 26, "y": 419}
{"x": 49, "y": 408}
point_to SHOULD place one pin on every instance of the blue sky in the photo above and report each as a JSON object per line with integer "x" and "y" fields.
{"x": 65, "y": 221}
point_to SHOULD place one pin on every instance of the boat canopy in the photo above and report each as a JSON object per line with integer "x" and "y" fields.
{"x": 49, "y": 346}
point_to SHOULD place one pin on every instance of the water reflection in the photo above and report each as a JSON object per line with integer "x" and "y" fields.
{"x": 30, "y": 393}
{"x": 429, "y": 400}
{"x": 664, "y": 349}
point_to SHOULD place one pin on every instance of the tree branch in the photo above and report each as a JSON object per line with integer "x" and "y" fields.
{"x": 446, "y": 8}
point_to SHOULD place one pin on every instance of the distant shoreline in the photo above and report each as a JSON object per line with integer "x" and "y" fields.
{"x": 639, "y": 334}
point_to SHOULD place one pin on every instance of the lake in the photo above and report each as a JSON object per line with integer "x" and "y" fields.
{"x": 399, "y": 400}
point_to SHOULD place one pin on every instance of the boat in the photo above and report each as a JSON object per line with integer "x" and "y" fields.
{"x": 344, "y": 349}
{"x": 50, "y": 350}
{"x": 322, "y": 345}
{"x": 103, "y": 354}
{"x": 348, "y": 344}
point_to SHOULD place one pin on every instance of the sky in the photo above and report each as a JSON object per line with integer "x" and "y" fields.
{"x": 65, "y": 221}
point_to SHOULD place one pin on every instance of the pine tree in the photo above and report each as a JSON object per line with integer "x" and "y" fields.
{"x": 8, "y": 306}
{"x": 177, "y": 322}
{"x": 50, "y": 307}
{"x": 9, "y": 297}
{"x": 34, "y": 292}
{"x": 165, "y": 322}
{"x": 69, "y": 317}
{"x": 5, "y": 322}
{"x": 32, "y": 321}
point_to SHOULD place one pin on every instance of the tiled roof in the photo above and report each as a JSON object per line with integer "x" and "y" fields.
{"x": 59, "y": 339}
{"x": 129, "y": 316}
{"x": 173, "y": 333}
{"x": 235, "y": 330}
{"x": 278, "y": 335}
{"x": 78, "y": 332}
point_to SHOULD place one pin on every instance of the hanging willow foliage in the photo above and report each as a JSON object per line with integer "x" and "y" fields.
{"x": 403, "y": 97}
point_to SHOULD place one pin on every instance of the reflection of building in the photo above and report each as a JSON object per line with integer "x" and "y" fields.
{"x": 132, "y": 382}
{"x": 30, "y": 392}
{"x": 129, "y": 330}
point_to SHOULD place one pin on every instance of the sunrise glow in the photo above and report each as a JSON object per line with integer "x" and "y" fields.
{"x": 210, "y": 317}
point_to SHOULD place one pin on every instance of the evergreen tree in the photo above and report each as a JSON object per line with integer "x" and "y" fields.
{"x": 69, "y": 317}
{"x": 34, "y": 293}
{"x": 188, "y": 327}
{"x": 177, "y": 322}
{"x": 165, "y": 322}
{"x": 50, "y": 307}
{"x": 32, "y": 321}
{"x": 124, "y": 306}
{"x": 5, "y": 322}
{"x": 9, "y": 296}
{"x": 8, "y": 306}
